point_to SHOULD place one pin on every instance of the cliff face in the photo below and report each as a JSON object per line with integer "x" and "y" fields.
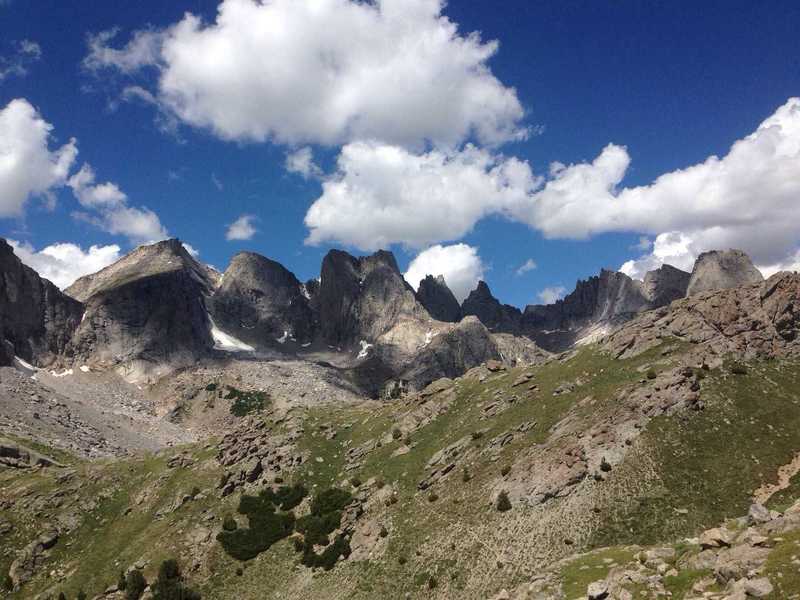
{"x": 438, "y": 300}
{"x": 664, "y": 285}
{"x": 497, "y": 317}
{"x": 145, "y": 312}
{"x": 36, "y": 318}
{"x": 362, "y": 298}
{"x": 259, "y": 301}
{"x": 722, "y": 270}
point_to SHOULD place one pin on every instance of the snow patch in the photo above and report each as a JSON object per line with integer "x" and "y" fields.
{"x": 306, "y": 345}
{"x": 283, "y": 338}
{"x": 23, "y": 364}
{"x": 85, "y": 369}
{"x": 429, "y": 337}
{"x": 304, "y": 291}
{"x": 226, "y": 342}
{"x": 63, "y": 374}
{"x": 365, "y": 346}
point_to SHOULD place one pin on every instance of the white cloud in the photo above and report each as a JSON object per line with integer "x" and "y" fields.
{"x": 141, "y": 50}
{"x": 23, "y": 54}
{"x": 113, "y": 214}
{"x": 459, "y": 264}
{"x": 748, "y": 199}
{"x": 390, "y": 195}
{"x": 550, "y": 294}
{"x": 324, "y": 71}
{"x": 302, "y": 162}
{"x": 241, "y": 229}
{"x": 63, "y": 263}
{"x": 28, "y": 167}
{"x": 217, "y": 182}
{"x": 528, "y": 265}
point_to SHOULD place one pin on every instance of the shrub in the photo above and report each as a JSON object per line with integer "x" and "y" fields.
{"x": 355, "y": 482}
{"x": 122, "y": 582}
{"x": 396, "y": 433}
{"x": 402, "y": 560}
{"x": 81, "y": 595}
{"x": 299, "y": 546}
{"x": 379, "y": 483}
{"x": 286, "y": 497}
{"x": 503, "y": 503}
{"x": 737, "y": 369}
{"x": 330, "y": 500}
{"x": 327, "y": 560}
{"x": 432, "y": 582}
{"x": 62, "y": 596}
{"x": 433, "y": 497}
{"x": 170, "y": 584}
{"x": 476, "y": 435}
{"x": 383, "y": 532}
{"x": 465, "y": 475}
{"x": 134, "y": 585}
{"x": 211, "y": 387}
{"x": 651, "y": 374}
{"x": 265, "y": 529}
{"x": 245, "y": 403}
{"x": 229, "y": 524}
{"x": 505, "y": 470}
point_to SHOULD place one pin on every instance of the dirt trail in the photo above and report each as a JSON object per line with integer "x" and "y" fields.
{"x": 785, "y": 474}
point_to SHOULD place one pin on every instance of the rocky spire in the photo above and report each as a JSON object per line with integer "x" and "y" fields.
{"x": 438, "y": 300}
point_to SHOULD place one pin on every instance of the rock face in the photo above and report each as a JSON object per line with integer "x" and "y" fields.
{"x": 500, "y": 318}
{"x": 438, "y": 300}
{"x": 146, "y": 312}
{"x": 362, "y": 298}
{"x": 761, "y": 319}
{"x": 36, "y": 318}
{"x": 722, "y": 270}
{"x": 259, "y": 301}
{"x": 665, "y": 284}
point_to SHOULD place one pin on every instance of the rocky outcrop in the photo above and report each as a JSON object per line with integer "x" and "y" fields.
{"x": 761, "y": 319}
{"x": 261, "y": 302}
{"x": 722, "y": 270}
{"x": 362, "y": 298}
{"x": 36, "y": 318}
{"x": 438, "y": 300}
{"x": 146, "y": 313}
{"x": 497, "y": 317}
{"x": 665, "y": 284}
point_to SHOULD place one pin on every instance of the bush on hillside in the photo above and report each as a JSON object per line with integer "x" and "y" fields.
{"x": 170, "y": 584}
{"x": 503, "y": 503}
{"x": 651, "y": 374}
{"x": 134, "y": 585}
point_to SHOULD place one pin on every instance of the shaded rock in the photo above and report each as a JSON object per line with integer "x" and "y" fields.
{"x": 497, "y": 317}
{"x": 438, "y": 300}
{"x": 36, "y": 319}
{"x": 260, "y": 302}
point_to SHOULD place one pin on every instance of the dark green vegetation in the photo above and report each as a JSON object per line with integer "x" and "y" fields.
{"x": 268, "y": 525}
{"x": 170, "y": 584}
{"x": 245, "y": 403}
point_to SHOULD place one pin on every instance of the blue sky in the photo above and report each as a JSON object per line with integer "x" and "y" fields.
{"x": 672, "y": 83}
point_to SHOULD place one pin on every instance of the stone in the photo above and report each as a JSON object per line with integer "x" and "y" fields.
{"x": 597, "y": 590}
{"x": 721, "y": 270}
{"x": 716, "y": 538}
{"x": 758, "y": 514}
{"x": 758, "y": 588}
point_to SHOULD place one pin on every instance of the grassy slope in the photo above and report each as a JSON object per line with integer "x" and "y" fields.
{"x": 706, "y": 465}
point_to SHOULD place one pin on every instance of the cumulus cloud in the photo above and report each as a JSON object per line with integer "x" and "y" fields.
{"x": 459, "y": 264}
{"x": 111, "y": 210}
{"x": 28, "y": 166}
{"x": 63, "y": 263}
{"x": 748, "y": 199}
{"x": 528, "y": 265}
{"x": 550, "y": 294}
{"x": 323, "y": 71}
{"x": 382, "y": 194}
{"x": 241, "y": 229}
{"x": 302, "y": 162}
{"x": 22, "y": 55}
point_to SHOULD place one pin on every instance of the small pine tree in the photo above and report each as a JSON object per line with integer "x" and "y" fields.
{"x": 505, "y": 470}
{"x": 229, "y": 523}
{"x": 134, "y": 585}
{"x": 465, "y": 475}
{"x": 62, "y": 596}
{"x": 503, "y": 503}
{"x": 122, "y": 583}
{"x": 81, "y": 595}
